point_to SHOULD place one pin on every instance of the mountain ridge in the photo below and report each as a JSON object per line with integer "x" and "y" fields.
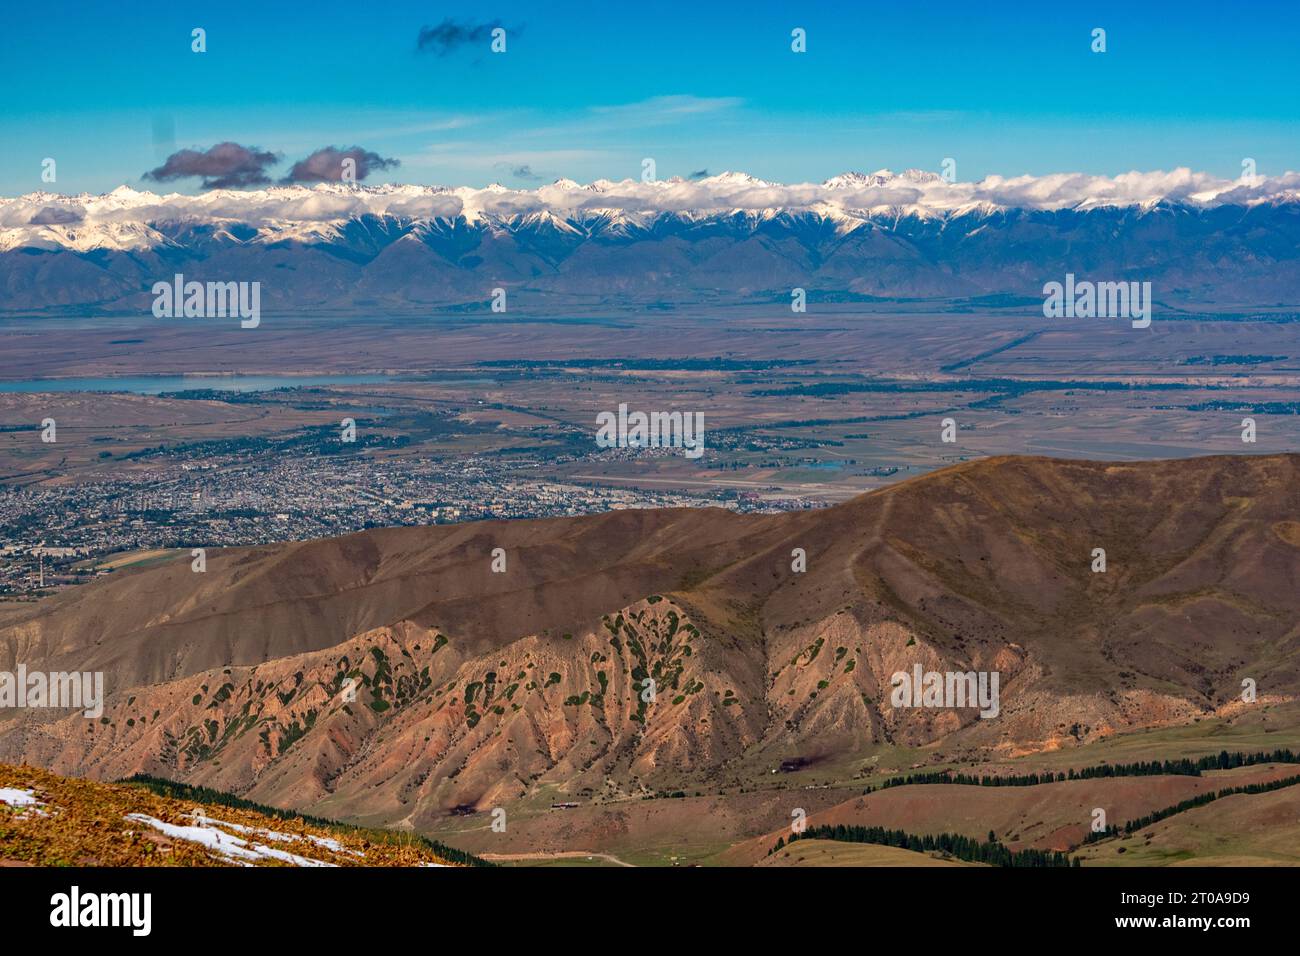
{"x": 728, "y": 238}
{"x": 489, "y": 688}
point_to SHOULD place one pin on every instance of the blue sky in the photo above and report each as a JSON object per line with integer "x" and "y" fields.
{"x": 586, "y": 90}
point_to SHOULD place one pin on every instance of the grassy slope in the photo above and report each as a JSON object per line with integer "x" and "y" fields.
{"x": 1241, "y": 830}
{"x": 83, "y": 823}
{"x": 834, "y": 853}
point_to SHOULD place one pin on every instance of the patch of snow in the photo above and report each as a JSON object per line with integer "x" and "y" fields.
{"x": 18, "y": 798}
{"x": 273, "y": 835}
{"x": 226, "y": 845}
{"x": 23, "y": 801}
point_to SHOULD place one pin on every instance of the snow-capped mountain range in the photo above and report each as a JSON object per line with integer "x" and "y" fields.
{"x": 1197, "y": 237}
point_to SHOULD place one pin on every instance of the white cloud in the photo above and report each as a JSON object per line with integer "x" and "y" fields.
{"x": 665, "y": 108}
{"x": 125, "y": 217}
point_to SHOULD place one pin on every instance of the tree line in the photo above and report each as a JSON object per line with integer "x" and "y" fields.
{"x": 1184, "y": 767}
{"x": 954, "y": 844}
{"x": 1191, "y": 803}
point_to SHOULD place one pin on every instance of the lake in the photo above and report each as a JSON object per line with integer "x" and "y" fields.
{"x": 155, "y": 384}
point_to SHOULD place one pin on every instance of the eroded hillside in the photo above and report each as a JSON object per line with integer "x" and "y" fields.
{"x": 392, "y": 676}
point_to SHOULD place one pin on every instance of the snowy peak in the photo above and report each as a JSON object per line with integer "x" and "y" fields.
{"x": 730, "y": 178}
{"x": 855, "y": 180}
{"x": 127, "y": 218}
{"x": 921, "y": 176}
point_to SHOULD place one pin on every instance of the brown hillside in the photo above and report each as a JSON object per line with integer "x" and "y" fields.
{"x": 236, "y": 678}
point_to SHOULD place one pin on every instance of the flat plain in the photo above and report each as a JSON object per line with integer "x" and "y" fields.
{"x": 817, "y": 406}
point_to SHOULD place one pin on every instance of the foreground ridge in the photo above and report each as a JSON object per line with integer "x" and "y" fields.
{"x": 47, "y": 820}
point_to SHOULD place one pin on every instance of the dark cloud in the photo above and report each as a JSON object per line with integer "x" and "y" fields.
{"x": 326, "y": 165}
{"x": 520, "y": 171}
{"x": 450, "y": 35}
{"x": 224, "y": 166}
{"x": 699, "y": 174}
{"x": 58, "y": 216}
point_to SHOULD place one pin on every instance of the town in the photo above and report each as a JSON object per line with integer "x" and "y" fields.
{"x": 58, "y": 535}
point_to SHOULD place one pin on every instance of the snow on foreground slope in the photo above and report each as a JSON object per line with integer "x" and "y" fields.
{"x": 213, "y": 834}
{"x": 46, "y": 820}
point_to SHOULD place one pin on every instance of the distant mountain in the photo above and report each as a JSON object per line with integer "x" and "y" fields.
{"x": 392, "y": 676}
{"x": 725, "y": 238}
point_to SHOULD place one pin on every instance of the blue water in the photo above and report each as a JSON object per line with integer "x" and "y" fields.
{"x": 154, "y": 384}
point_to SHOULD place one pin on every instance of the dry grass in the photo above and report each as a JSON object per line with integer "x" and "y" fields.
{"x": 834, "y": 853}
{"x": 84, "y": 823}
